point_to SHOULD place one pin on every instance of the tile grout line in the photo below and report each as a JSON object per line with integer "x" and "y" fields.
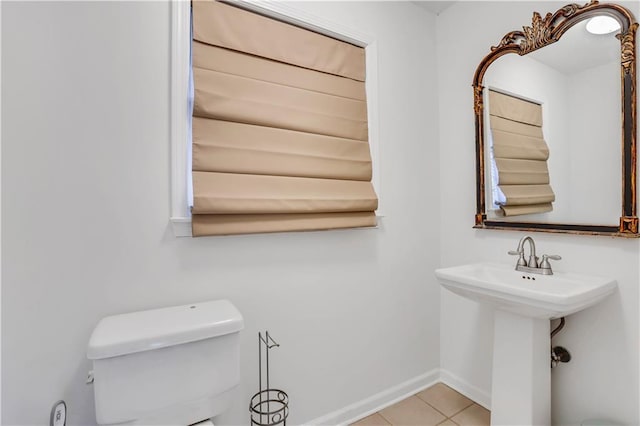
{"x": 458, "y": 412}
{"x": 385, "y": 419}
{"x": 430, "y": 405}
{"x": 447, "y": 417}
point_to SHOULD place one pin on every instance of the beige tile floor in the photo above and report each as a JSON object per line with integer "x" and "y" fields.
{"x": 437, "y": 405}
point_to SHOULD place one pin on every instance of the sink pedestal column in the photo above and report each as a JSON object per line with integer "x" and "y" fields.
{"x": 521, "y": 378}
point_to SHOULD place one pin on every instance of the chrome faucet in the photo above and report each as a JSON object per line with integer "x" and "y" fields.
{"x": 532, "y": 265}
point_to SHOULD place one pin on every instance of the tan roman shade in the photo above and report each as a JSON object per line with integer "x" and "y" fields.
{"x": 520, "y": 155}
{"x": 280, "y": 132}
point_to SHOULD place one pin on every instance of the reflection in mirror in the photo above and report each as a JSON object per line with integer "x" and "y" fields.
{"x": 577, "y": 83}
{"x": 580, "y": 76}
{"x": 518, "y": 154}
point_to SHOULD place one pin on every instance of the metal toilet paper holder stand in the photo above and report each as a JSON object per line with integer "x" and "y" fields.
{"x": 268, "y": 407}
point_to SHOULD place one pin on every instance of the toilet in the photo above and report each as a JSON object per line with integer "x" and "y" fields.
{"x": 169, "y": 366}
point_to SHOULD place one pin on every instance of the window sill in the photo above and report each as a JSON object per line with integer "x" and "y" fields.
{"x": 182, "y": 226}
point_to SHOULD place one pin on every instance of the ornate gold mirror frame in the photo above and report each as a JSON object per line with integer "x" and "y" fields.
{"x": 545, "y": 31}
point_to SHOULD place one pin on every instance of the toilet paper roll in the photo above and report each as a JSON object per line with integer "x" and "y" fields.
{"x": 204, "y": 423}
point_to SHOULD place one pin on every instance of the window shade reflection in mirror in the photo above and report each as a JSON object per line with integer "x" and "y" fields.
{"x": 519, "y": 171}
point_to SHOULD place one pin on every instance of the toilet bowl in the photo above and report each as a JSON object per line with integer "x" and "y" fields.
{"x": 177, "y": 365}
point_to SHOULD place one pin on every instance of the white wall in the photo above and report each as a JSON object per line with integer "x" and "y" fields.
{"x": 602, "y": 378}
{"x": 85, "y": 199}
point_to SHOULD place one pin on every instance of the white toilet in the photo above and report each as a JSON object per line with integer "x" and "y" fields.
{"x": 170, "y": 366}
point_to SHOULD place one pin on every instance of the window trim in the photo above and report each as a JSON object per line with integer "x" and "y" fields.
{"x": 180, "y": 41}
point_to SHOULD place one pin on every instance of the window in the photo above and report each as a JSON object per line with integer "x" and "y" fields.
{"x": 180, "y": 67}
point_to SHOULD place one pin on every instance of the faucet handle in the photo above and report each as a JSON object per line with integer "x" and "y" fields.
{"x": 521, "y": 261}
{"x": 545, "y": 260}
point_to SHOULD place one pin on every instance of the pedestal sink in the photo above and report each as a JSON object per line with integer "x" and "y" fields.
{"x": 524, "y": 303}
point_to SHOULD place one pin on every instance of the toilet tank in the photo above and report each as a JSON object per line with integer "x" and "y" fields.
{"x": 174, "y": 365}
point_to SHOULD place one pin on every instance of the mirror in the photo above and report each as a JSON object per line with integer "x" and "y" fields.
{"x": 550, "y": 151}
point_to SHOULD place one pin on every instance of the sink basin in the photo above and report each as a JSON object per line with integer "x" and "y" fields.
{"x": 526, "y": 294}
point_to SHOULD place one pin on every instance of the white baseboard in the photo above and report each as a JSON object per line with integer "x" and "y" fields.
{"x": 377, "y": 402}
{"x": 472, "y": 392}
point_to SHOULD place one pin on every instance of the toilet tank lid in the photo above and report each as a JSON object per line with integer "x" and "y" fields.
{"x": 157, "y": 328}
